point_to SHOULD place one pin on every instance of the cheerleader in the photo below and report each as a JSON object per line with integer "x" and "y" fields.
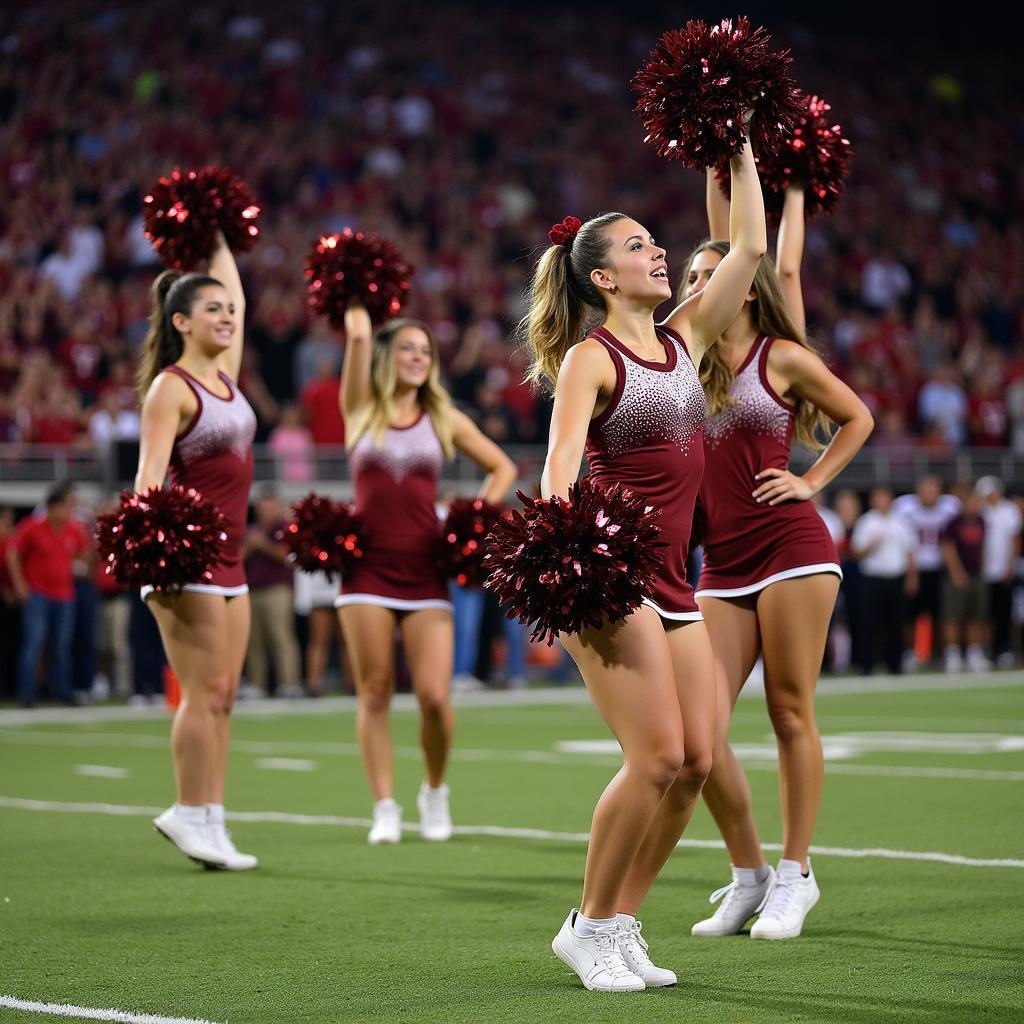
{"x": 198, "y": 425}
{"x": 400, "y": 427}
{"x": 629, "y": 394}
{"x": 771, "y": 573}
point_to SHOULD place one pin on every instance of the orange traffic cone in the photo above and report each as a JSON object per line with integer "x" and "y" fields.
{"x": 923, "y": 639}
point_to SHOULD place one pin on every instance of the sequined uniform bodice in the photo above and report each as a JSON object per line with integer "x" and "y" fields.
{"x": 649, "y": 438}
{"x": 214, "y": 453}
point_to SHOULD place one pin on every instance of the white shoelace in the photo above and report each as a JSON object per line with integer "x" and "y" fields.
{"x": 608, "y": 952}
{"x": 777, "y": 900}
{"x": 731, "y": 893}
{"x": 635, "y": 945}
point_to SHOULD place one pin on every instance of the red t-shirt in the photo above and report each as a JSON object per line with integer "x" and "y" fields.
{"x": 987, "y": 415}
{"x": 319, "y": 401}
{"x": 46, "y": 555}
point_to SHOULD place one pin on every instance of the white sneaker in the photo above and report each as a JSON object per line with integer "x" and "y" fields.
{"x": 788, "y": 903}
{"x": 435, "y": 818}
{"x": 387, "y": 823}
{"x": 465, "y": 682}
{"x": 976, "y": 660}
{"x": 953, "y": 660}
{"x": 596, "y": 959}
{"x": 195, "y": 841}
{"x": 233, "y": 860}
{"x": 740, "y": 904}
{"x": 634, "y": 952}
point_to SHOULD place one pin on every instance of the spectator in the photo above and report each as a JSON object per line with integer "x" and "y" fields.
{"x": 319, "y": 401}
{"x": 270, "y": 593}
{"x": 10, "y": 613}
{"x": 1003, "y": 524}
{"x": 40, "y": 558}
{"x": 965, "y": 597}
{"x": 851, "y": 605}
{"x": 884, "y": 544}
{"x": 314, "y": 602}
{"x": 291, "y": 444}
{"x": 942, "y": 404}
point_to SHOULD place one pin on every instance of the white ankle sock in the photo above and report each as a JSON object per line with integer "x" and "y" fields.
{"x": 791, "y": 868}
{"x": 625, "y": 919}
{"x": 191, "y": 814}
{"x": 585, "y": 927}
{"x": 751, "y": 876}
{"x": 215, "y": 814}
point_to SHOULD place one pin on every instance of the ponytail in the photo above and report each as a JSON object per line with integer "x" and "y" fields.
{"x": 562, "y": 300}
{"x": 172, "y": 292}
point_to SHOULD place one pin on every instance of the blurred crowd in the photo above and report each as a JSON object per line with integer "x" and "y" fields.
{"x": 447, "y": 132}
{"x": 930, "y": 579}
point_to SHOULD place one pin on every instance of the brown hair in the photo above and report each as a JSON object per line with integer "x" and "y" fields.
{"x": 172, "y": 292}
{"x": 432, "y": 397}
{"x": 771, "y": 316}
{"x": 563, "y": 302}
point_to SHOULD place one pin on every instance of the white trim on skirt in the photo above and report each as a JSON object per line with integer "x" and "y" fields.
{"x": 397, "y": 604}
{"x": 786, "y": 574}
{"x": 204, "y": 588}
{"x": 674, "y": 616}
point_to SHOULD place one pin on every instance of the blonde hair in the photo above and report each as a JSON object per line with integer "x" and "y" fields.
{"x": 770, "y": 316}
{"x": 171, "y": 292}
{"x": 563, "y": 302}
{"x": 432, "y": 397}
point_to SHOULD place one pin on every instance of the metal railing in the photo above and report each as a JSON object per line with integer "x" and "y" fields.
{"x": 27, "y": 471}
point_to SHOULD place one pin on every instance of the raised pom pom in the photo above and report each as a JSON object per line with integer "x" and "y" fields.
{"x": 163, "y": 538}
{"x": 698, "y": 83}
{"x": 183, "y": 211}
{"x": 564, "y": 566}
{"x": 815, "y": 155}
{"x": 323, "y": 535}
{"x": 461, "y": 549}
{"x": 356, "y": 266}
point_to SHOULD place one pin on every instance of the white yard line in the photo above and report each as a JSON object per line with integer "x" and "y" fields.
{"x": 101, "y": 771}
{"x": 504, "y": 832}
{"x": 93, "y": 1013}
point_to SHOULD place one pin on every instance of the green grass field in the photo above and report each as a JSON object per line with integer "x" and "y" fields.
{"x": 97, "y": 911}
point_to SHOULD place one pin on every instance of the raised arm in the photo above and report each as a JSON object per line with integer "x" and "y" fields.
{"x": 717, "y": 206}
{"x": 789, "y": 253}
{"x": 168, "y": 407}
{"x": 703, "y": 317}
{"x": 500, "y": 469}
{"x": 223, "y": 267}
{"x": 586, "y": 372}
{"x": 356, "y": 384}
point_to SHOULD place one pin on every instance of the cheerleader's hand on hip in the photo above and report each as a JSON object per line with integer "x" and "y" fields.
{"x": 778, "y": 485}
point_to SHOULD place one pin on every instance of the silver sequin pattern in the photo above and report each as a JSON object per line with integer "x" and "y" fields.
{"x": 416, "y": 449}
{"x": 656, "y": 406}
{"x": 223, "y": 426}
{"x": 752, "y": 410}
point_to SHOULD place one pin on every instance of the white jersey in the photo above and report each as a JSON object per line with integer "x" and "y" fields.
{"x": 927, "y": 522}
{"x": 1002, "y": 525}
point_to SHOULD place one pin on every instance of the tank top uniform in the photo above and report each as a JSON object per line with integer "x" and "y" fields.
{"x": 396, "y": 494}
{"x": 648, "y": 438}
{"x": 214, "y": 455}
{"x": 750, "y": 545}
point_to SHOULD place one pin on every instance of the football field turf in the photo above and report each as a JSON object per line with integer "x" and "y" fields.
{"x": 920, "y": 862}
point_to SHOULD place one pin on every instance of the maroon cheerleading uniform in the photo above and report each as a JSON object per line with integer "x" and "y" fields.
{"x": 214, "y": 455}
{"x": 648, "y": 438}
{"x": 749, "y": 545}
{"x": 396, "y": 495}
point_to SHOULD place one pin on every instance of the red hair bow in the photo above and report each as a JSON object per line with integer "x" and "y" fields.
{"x": 562, "y": 234}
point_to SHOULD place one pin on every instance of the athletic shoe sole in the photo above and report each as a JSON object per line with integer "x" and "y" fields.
{"x": 792, "y": 933}
{"x": 210, "y": 865}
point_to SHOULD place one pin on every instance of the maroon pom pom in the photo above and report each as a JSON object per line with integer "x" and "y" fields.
{"x": 565, "y": 231}
{"x": 461, "y": 546}
{"x": 163, "y": 538}
{"x": 815, "y": 155}
{"x": 323, "y": 535}
{"x": 568, "y": 565}
{"x": 356, "y": 266}
{"x": 699, "y": 81}
{"x": 183, "y": 212}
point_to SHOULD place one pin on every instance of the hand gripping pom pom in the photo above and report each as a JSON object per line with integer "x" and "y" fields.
{"x": 163, "y": 538}
{"x": 815, "y": 155}
{"x": 461, "y": 548}
{"x": 323, "y": 535}
{"x": 698, "y": 83}
{"x": 183, "y": 211}
{"x": 569, "y": 565}
{"x": 356, "y": 266}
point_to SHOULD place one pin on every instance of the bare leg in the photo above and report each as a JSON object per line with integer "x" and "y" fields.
{"x": 370, "y": 639}
{"x": 794, "y": 616}
{"x": 694, "y": 668}
{"x": 628, "y": 671}
{"x": 428, "y": 638}
{"x": 736, "y": 641}
{"x": 238, "y": 613}
{"x": 321, "y": 628}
